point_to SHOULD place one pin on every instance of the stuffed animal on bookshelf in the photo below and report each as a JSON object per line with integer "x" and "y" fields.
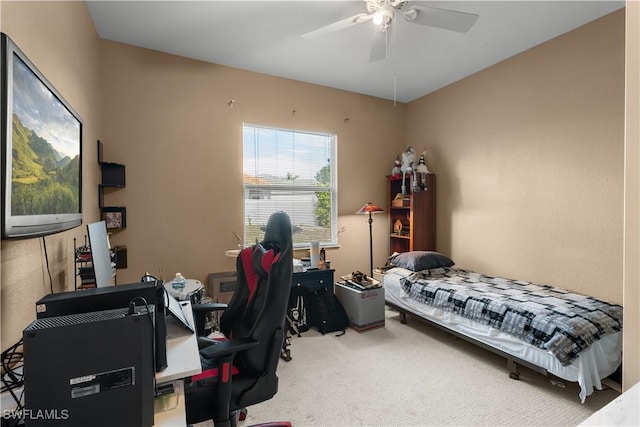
{"x": 423, "y": 170}
{"x": 408, "y": 159}
{"x": 396, "y": 167}
{"x": 408, "y": 163}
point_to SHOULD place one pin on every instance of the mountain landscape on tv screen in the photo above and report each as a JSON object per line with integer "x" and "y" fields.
{"x": 43, "y": 180}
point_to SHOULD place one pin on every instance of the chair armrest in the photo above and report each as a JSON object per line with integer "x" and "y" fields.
{"x": 204, "y": 342}
{"x": 200, "y": 312}
{"x": 212, "y": 306}
{"x": 225, "y": 348}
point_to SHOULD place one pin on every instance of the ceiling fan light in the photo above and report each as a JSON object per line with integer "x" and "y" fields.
{"x": 382, "y": 18}
{"x": 378, "y": 18}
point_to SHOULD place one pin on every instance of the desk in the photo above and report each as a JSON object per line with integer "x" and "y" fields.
{"x": 301, "y": 284}
{"x": 183, "y": 360}
{"x": 311, "y": 280}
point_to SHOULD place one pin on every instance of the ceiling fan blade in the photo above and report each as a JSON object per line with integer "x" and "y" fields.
{"x": 337, "y": 26}
{"x": 380, "y": 44}
{"x": 441, "y": 18}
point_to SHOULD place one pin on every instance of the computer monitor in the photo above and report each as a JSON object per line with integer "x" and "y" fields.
{"x": 101, "y": 254}
{"x": 98, "y": 299}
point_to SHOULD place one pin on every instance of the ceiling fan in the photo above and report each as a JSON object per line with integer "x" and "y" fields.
{"x": 382, "y": 14}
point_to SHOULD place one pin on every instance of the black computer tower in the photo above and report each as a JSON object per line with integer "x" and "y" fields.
{"x": 90, "y": 369}
{"x": 108, "y": 298}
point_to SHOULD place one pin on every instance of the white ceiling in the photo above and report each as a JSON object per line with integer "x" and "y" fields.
{"x": 264, "y": 36}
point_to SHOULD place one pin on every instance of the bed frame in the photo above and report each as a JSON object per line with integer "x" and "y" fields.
{"x": 613, "y": 381}
{"x": 512, "y": 362}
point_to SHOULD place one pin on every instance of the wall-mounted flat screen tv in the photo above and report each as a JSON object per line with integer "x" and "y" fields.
{"x": 41, "y": 152}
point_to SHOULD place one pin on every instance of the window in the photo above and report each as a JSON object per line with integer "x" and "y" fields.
{"x": 291, "y": 171}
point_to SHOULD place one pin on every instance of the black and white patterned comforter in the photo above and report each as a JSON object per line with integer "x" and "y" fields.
{"x": 550, "y": 318}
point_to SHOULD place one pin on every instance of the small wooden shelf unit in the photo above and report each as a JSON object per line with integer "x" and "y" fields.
{"x": 416, "y": 212}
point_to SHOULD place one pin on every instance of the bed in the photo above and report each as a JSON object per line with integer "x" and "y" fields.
{"x": 574, "y": 337}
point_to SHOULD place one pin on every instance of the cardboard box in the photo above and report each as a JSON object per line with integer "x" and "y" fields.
{"x": 364, "y": 308}
{"x": 401, "y": 203}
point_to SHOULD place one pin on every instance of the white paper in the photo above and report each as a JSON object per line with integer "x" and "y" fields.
{"x": 315, "y": 253}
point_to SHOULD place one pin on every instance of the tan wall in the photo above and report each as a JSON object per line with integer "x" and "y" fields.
{"x": 631, "y": 339}
{"x": 168, "y": 119}
{"x": 556, "y": 194}
{"x": 59, "y": 38}
{"x": 529, "y": 157}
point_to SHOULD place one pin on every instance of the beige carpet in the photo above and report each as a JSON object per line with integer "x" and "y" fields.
{"x": 413, "y": 375}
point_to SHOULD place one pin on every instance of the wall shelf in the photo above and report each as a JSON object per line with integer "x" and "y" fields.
{"x": 115, "y": 217}
{"x": 113, "y": 176}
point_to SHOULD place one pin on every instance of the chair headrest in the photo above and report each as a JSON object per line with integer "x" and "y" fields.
{"x": 277, "y": 234}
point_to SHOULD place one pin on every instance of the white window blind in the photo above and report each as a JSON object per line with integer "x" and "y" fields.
{"x": 291, "y": 171}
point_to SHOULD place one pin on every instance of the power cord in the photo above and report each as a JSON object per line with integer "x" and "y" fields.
{"x": 12, "y": 379}
{"x": 46, "y": 259}
{"x": 132, "y": 309}
{"x": 11, "y": 362}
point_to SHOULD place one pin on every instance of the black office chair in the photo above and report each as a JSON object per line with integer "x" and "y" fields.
{"x": 241, "y": 371}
